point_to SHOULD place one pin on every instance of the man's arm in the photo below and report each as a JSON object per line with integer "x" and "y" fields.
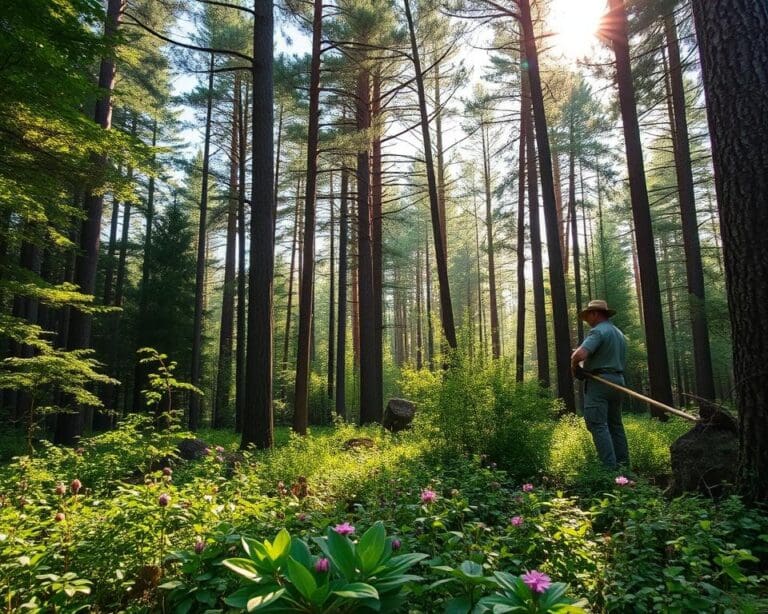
{"x": 579, "y": 354}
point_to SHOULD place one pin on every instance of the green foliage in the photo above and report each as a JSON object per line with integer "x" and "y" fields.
{"x": 351, "y": 576}
{"x": 162, "y": 384}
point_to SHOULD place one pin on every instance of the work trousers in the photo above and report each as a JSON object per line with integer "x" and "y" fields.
{"x": 602, "y": 414}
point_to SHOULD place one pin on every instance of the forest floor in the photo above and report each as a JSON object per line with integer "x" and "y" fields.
{"x": 121, "y": 525}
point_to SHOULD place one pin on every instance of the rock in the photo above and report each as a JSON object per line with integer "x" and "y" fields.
{"x": 193, "y": 449}
{"x": 398, "y": 415}
{"x": 704, "y": 460}
{"x": 358, "y": 442}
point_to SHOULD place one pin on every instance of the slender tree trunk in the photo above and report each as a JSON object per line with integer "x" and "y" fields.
{"x": 734, "y": 54}
{"x": 291, "y": 274}
{"x": 377, "y": 218}
{"x": 562, "y": 225}
{"x": 341, "y": 329}
{"x": 306, "y": 293}
{"x": 440, "y": 157}
{"x": 702, "y": 355}
{"x": 554, "y": 233}
{"x": 197, "y": 327}
{"x": 258, "y": 423}
{"x": 69, "y": 426}
{"x": 227, "y": 328}
{"x": 430, "y": 327}
{"x": 520, "y": 332}
{"x": 331, "y": 292}
{"x": 495, "y": 337}
{"x": 574, "y": 232}
{"x": 441, "y": 259}
{"x": 658, "y": 364}
{"x": 109, "y": 274}
{"x": 241, "y": 272}
{"x": 582, "y": 192}
{"x": 276, "y": 187}
{"x": 480, "y": 308}
{"x": 419, "y": 341}
{"x": 537, "y": 281}
{"x": 672, "y": 322}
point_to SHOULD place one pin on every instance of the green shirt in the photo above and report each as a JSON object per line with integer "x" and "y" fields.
{"x": 607, "y": 348}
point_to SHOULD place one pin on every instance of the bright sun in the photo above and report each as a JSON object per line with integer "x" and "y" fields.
{"x": 573, "y": 24}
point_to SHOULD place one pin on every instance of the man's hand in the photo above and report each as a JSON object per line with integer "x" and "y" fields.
{"x": 578, "y": 372}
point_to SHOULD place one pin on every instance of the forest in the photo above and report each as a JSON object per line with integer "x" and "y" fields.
{"x": 294, "y": 299}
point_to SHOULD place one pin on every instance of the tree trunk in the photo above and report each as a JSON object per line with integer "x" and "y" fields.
{"x": 341, "y": 329}
{"x": 554, "y": 234}
{"x": 291, "y": 274}
{"x": 221, "y": 415}
{"x": 306, "y": 293}
{"x": 241, "y": 269}
{"x": 441, "y": 259}
{"x": 258, "y": 419}
{"x": 419, "y": 340}
{"x": 69, "y": 426}
{"x": 520, "y": 332}
{"x": 537, "y": 281}
{"x": 658, "y": 364}
{"x": 377, "y": 218}
{"x": 197, "y": 327}
{"x": 276, "y": 186}
{"x": 702, "y": 355}
{"x": 495, "y": 337}
{"x": 331, "y": 292}
{"x": 574, "y": 232}
{"x": 370, "y": 399}
{"x": 480, "y": 309}
{"x": 734, "y": 54}
{"x": 430, "y": 327}
{"x": 440, "y": 157}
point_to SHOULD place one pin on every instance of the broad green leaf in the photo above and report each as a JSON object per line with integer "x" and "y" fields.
{"x": 301, "y": 578}
{"x": 243, "y": 567}
{"x": 263, "y": 600}
{"x": 471, "y": 569}
{"x": 554, "y": 595}
{"x": 371, "y": 547}
{"x": 300, "y": 552}
{"x": 357, "y": 590}
{"x": 398, "y": 564}
{"x": 342, "y": 554}
{"x": 280, "y": 548}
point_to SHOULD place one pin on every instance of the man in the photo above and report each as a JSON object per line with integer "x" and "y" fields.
{"x": 604, "y": 353}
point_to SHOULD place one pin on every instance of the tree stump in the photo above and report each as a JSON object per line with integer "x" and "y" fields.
{"x": 398, "y": 415}
{"x": 704, "y": 460}
{"x": 193, "y": 449}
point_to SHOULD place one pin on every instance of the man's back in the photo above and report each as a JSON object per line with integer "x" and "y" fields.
{"x": 607, "y": 349}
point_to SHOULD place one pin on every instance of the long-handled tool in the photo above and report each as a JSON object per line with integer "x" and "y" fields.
{"x": 642, "y": 397}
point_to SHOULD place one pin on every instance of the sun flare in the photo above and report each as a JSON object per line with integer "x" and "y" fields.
{"x": 573, "y": 24}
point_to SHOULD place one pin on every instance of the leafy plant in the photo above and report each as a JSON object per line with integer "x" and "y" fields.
{"x": 350, "y": 577}
{"x": 516, "y": 596}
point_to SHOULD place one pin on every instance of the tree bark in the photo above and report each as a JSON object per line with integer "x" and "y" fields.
{"x": 441, "y": 259}
{"x": 734, "y": 54}
{"x": 341, "y": 329}
{"x": 658, "y": 363}
{"x": 331, "y": 291}
{"x": 227, "y": 327}
{"x": 377, "y": 218}
{"x": 306, "y": 293}
{"x": 520, "y": 332}
{"x": 554, "y": 234}
{"x": 241, "y": 268}
{"x": 258, "y": 424}
{"x": 430, "y": 326}
{"x": 495, "y": 337}
{"x": 537, "y": 281}
{"x": 694, "y": 270}
{"x": 197, "y": 327}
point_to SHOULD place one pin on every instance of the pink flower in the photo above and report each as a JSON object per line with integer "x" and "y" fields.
{"x": 516, "y": 521}
{"x": 220, "y": 449}
{"x": 60, "y": 489}
{"x": 344, "y": 529}
{"x": 163, "y": 500}
{"x": 76, "y": 485}
{"x": 428, "y": 496}
{"x": 622, "y": 481}
{"x": 167, "y": 472}
{"x": 199, "y": 545}
{"x": 538, "y": 582}
{"x": 396, "y": 544}
{"x": 322, "y": 565}
{"x": 59, "y": 517}
{"x": 527, "y": 487}
{"x": 302, "y": 517}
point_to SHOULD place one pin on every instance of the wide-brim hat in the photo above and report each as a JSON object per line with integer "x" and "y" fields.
{"x": 597, "y": 305}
